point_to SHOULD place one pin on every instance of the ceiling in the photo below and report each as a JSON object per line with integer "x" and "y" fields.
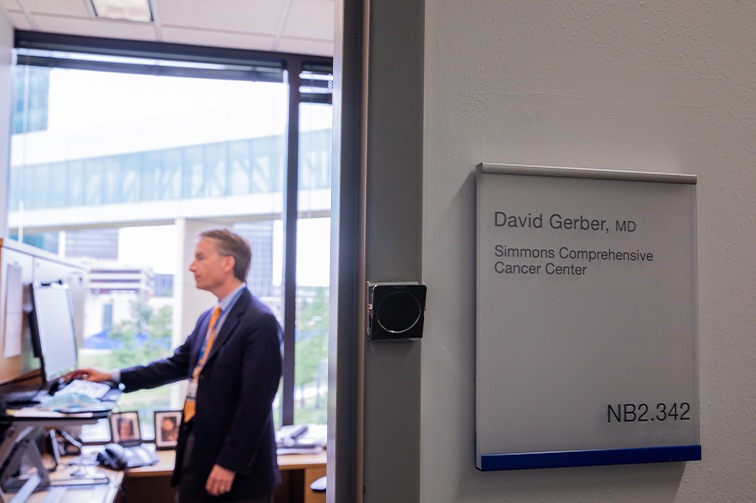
{"x": 293, "y": 26}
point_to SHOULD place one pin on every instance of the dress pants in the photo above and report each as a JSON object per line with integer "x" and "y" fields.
{"x": 191, "y": 487}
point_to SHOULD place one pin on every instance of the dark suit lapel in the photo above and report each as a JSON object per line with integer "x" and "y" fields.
{"x": 230, "y": 323}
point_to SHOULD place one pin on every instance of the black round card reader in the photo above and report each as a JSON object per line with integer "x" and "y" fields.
{"x": 396, "y": 311}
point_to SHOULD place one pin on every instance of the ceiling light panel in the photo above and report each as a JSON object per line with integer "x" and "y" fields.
{"x": 130, "y": 10}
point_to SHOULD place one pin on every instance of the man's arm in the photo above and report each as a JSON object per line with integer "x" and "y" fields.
{"x": 159, "y": 372}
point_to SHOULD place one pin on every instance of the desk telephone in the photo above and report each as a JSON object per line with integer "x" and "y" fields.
{"x": 113, "y": 456}
{"x": 126, "y": 455}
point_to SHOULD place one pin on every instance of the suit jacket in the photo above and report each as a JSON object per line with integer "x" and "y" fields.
{"x": 233, "y": 425}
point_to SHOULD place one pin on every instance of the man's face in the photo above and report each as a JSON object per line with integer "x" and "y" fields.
{"x": 209, "y": 267}
{"x": 124, "y": 429}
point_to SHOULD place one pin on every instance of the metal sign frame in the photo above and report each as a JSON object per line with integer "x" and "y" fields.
{"x": 587, "y": 318}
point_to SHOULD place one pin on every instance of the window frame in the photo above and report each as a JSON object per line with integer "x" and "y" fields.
{"x": 50, "y": 50}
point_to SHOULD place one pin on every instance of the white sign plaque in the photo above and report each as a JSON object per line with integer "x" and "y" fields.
{"x": 587, "y": 323}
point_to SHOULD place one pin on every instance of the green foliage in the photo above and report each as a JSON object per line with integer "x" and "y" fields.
{"x": 144, "y": 320}
{"x": 312, "y": 336}
{"x": 311, "y": 355}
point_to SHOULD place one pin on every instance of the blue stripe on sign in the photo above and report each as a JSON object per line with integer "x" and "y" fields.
{"x": 561, "y": 459}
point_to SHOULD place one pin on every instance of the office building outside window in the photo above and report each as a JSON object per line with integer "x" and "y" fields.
{"x": 106, "y": 165}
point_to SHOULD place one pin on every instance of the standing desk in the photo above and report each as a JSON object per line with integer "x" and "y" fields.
{"x": 19, "y": 448}
{"x": 112, "y": 492}
{"x": 152, "y": 483}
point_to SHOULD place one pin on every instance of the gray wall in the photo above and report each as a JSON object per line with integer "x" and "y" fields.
{"x": 394, "y": 212}
{"x": 633, "y": 85}
{"x": 379, "y": 207}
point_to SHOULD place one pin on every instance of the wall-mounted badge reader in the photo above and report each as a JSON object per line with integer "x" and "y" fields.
{"x": 395, "y": 311}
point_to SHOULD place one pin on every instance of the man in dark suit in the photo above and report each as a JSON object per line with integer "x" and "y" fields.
{"x": 226, "y": 447}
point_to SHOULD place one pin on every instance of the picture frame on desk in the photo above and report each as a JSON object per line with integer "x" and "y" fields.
{"x": 124, "y": 427}
{"x": 167, "y": 424}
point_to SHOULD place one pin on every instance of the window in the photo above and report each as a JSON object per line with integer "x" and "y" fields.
{"x": 313, "y": 265}
{"x": 110, "y": 154}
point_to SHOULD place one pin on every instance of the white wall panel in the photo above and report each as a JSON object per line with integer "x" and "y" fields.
{"x": 595, "y": 84}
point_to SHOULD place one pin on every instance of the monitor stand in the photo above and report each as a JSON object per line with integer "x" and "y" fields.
{"x": 22, "y": 468}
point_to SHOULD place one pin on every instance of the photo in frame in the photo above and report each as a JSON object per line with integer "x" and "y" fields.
{"x": 124, "y": 427}
{"x": 167, "y": 424}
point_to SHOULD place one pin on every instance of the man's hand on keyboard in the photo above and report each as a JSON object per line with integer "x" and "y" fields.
{"x": 96, "y": 390}
{"x": 89, "y": 375}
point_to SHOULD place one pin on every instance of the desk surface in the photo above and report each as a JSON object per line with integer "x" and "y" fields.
{"x": 167, "y": 459}
{"x": 143, "y": 482}
{"x": 101, "y": 493}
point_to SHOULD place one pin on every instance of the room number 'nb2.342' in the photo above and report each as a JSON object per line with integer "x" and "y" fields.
{"x": 641, "y": 412}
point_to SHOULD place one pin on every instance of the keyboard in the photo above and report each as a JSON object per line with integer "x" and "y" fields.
{"x": 96, "y": 390}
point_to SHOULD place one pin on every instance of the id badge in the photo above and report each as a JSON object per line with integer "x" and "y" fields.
{"x": 191, "y": 389}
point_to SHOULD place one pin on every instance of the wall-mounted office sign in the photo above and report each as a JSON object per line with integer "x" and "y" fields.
{"x": 587, "y": 331}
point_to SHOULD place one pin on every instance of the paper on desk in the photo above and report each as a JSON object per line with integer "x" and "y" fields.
{"x": 14, "y": 312}
{"x": 308, "y": 439}
{"x": 74, "y": 403}
{"x": 46, "y": 413}
{"x": 299, "y": 450}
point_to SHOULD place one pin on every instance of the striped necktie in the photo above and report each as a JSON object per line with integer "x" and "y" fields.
{"x": 190, "y": 405}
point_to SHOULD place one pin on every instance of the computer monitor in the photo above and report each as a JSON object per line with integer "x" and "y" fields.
{"x": 52, "y": 329}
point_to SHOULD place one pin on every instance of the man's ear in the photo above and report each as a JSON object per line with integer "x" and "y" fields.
{"x": 228, "y": 263}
